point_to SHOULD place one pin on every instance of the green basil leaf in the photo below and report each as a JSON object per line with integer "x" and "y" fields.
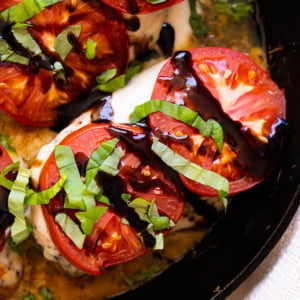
{"x": 74, "y": 187}
{"x": 62, "y": 44}
{"x": 44, "y": 197}
{"x": 7, "y": 54}
{"x": 180, "y": 113}
{"x": 110, "y": 164}
{"x": 25, "y": 10}
{"x": 23, "y": 36}
{"x": 90, "y": 51}
{"x": 98, "y": 157}
{"x": 89, "y": 217}
{"x": 19, "y": 229}
{"x": 71, "y": 229}
{"x": 196, "y": 20}
{"x": 190, "y": 169}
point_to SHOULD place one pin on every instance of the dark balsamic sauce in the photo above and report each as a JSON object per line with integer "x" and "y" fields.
{"x": 132, "y": 7}
{"x": 132, "y": 23}
{"x": 166, "y": 39}
{"x": 95, "y": 98}
{"x": 141, "y": 144}
{"x": 113, "y": 187}
{"x": 197, "y": 97}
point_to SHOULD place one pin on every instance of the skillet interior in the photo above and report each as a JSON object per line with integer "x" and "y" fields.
{"x": 256, "y": 219}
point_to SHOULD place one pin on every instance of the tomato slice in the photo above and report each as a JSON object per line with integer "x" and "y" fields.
{"x": 111, "y": 241}
{"x": 134, "y": 7}
{"x": 33, "y": 93}
{"x": 5, "y": 218}
{"x": 227, "y": 86}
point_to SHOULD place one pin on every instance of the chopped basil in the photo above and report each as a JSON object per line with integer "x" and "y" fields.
{"x": 89, "y": 217}
{"x": 182, "y": 113}
{"x": 71, "y": 229}
{"x": 196, "y": 20}
{"x": 90, "y": 52}
{"x": 156, "y": 1}
{"x": 25, "y": 10}
{"x": 190, "y": 169}
{"x": 45, "y": 293}
{"x": 19, "y": 229}
{"x": 237, "y": 9}
{"x": 25, "y": 39}
{"x": 44, "y": 197}
{"x": 62, "y": 44}
{"x": 5, "y": 142}
{"x": 152, "y": 270}
{"x": 98, "y": 157}
{"x": 110, "y": 164}
{"x": 74, "y": 187}
{"x": 7, "y": 54}
{"x": 107, "y": 82}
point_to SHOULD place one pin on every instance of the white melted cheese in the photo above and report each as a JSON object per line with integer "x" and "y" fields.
{"x": 11, "y": 267}
{"x": 151, "y": 24}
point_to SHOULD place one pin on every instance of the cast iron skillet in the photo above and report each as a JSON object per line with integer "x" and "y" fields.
{"x": 256, "y": 219}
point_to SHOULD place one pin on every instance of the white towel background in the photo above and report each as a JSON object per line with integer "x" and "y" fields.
{"x": 278, "y": 276}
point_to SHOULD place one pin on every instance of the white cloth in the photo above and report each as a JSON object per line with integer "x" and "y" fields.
{"x": 278, "y": 276}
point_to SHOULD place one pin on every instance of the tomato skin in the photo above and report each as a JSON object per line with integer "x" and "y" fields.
{"x": 5, "y": 160}
{"x": 119, "y": 242}
{"x": 246, "y": 94}
{"x": 139, "y": 6}
{"x": 33, "y": 94}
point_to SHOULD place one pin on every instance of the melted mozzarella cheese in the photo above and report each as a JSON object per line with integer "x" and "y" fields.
{"x": 11, "y": 267}
{"x": 177, "y": 16}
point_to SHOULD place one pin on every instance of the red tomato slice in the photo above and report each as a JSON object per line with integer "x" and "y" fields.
{"x": 111, "y": 242}
{"x": 32, "y": 94}
{"x": 139, "y": 6}
{"x": 228, "y": 86}
{"x": 5, "y": 160}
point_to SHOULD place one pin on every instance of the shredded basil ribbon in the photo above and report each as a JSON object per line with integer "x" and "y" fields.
{"x": 190, "y": 169}
{"x": 71, "y": 229}
{"x": 62, "y": 44}
{"x": 181, "y": 113}
{"x": 19, "y": 229}
{"x": 148, "y": 212}
{"x": 25, "y": 10}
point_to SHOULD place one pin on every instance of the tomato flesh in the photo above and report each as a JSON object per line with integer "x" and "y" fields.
{"x": 245, "y": 99}
{"x": 33, "y": 93}
{"x": 111, "y": 242}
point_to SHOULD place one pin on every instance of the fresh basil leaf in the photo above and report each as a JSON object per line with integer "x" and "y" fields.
{"x": 190, "y": 169}
{"x": 156, "y": 1}
{"x": 74, "y": 187}
{"x": 45, "y": 293}
{"x": 19, "y": 229}
{"x": 62, "y": 44}
{"x": 196, "y": 21}
{"x": 237, "y": 9}
{"x": 25, "y": 10}
{"x": 98, "y": 157}
{"x": 25, "y": 39}
{"x": 71, "y": 229}
{"x": 90, "y": 51}
{"x": 7, "y": 54}
{"x": 210, "y": 128}
{"x": 89, "y": 217}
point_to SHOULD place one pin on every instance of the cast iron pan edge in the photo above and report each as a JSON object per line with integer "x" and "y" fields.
{"x": 256, "y": 219}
